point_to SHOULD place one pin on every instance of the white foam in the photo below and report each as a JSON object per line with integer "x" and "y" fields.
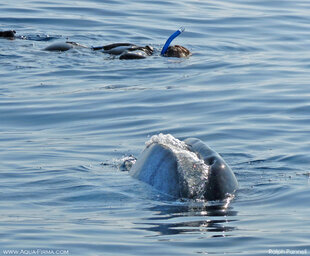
{"x": 167, "y": 140}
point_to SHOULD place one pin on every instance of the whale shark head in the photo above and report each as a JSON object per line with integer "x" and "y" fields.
{"x": 184, "y": 169}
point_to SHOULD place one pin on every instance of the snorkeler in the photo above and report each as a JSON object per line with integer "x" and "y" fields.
{"x": 123, "y": 50}
{"x": 132, "y": 51}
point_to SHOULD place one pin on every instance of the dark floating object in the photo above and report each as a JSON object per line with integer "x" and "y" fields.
{"x": 59, "y": 47}
{"x": 8, "y": 34}
{"x": 62, "y": 47}
{"x": 184, "y": 169}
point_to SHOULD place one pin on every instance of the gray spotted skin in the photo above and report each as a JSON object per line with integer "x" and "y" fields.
{"x": 158, "y": 166}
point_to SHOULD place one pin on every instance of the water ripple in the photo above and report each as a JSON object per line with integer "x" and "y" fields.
{"x": 68, "y": 118}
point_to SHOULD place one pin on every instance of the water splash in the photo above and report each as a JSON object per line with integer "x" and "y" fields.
{"x": 126, "y": 163}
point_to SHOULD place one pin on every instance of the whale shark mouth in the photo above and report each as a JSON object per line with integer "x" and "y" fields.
{"x": 193, "y": 171}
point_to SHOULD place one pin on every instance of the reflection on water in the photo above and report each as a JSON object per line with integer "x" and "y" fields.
{"x": 190, "y": 217}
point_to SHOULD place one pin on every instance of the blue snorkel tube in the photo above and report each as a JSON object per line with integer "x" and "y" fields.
{"x": 170, "y": 39}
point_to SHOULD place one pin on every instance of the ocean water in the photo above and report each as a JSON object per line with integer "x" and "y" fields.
{"x": 68, "y": 119}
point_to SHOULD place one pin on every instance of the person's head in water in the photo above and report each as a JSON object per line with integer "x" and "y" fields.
{"x": 177, "y": 51}
{"x": 8, "y": 33}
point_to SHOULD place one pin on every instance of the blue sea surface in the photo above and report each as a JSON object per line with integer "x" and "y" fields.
{"x": 68, "y": 119}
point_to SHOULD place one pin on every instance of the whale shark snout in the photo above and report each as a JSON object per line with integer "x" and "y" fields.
{"x": 184, "y": 169}
{"x": 221, "y": 179}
